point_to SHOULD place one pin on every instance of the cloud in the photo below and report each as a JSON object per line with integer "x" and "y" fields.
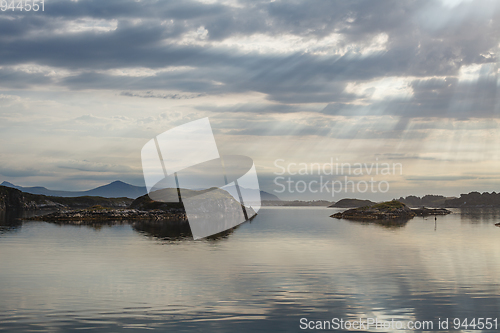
{"x": 151, "y": 94}
{"x": 416, "y": 79}
{"x": 293, "y": 52}
{"x": 22, "y": 172}
{"x": 440, "y": 178}
{"x": 89, "y": 166}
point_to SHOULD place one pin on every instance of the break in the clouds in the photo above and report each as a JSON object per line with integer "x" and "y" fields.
{"x": 280, "y": 79}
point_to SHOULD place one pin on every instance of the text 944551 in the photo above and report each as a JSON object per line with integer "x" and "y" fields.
{"x": 22, "y": 5}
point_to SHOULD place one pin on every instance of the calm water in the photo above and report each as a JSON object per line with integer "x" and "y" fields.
{"x": 288, "y": 263}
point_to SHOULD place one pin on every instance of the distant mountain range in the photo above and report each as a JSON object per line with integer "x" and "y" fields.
{"x": 116, "y": 189}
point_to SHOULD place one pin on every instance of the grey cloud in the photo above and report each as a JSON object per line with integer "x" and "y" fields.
{"x": 89, "y": 166}
{"x": 260, "y": 108}
{"x": 440, "y": 178}
{"x": 150, "y": 94}
{"x": 22, "y": 172}
{"x": 405, "y": 156}
{"x": 441, "y": 98}
{"x": 16, "y": 79}
{"x": 416, "y": 46}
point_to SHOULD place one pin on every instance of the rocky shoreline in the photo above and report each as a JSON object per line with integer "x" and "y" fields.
{"x": 93, "y": 215}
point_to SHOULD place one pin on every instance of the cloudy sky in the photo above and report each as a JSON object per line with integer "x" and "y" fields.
{"x": 85, "y": 84}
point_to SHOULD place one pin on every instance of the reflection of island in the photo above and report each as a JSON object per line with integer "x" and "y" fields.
{"x": 9, "y": 222}
{"x": 173, "y": 231}
{"x": 386, "y": 224}
{"x": 478, "y": 215}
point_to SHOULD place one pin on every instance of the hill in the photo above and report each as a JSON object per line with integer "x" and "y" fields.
{"x": 266, "y": 196}
{"x": 426, "y": 200}
{"x": 475, "y": 199}
{"x": 351, "y": 203}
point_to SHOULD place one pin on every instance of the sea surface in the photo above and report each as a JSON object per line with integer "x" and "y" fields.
{"x": 265, "y": 276}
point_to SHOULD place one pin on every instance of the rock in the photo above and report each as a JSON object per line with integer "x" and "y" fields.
{"x": 389, "y": 210}
{"x": 14, "y": 200}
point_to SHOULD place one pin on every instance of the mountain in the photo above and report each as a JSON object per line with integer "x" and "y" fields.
{"x": 116, "y": 189}
{"x": 265, "y": 196}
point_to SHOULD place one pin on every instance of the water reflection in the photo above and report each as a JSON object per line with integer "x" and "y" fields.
{"x": 287, "y": 264}
{"x": 164, "y": 231}
{"x": 9, "y": 222}
{"x": 479, "y": 215}
{"x": 157, "y": 229}
{"x": 177, "y": 231}
{"x": 388, "y": 224}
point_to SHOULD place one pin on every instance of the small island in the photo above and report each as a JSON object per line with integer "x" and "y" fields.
{"x": 146, "y": 209}
{"x": 390, "y": 210}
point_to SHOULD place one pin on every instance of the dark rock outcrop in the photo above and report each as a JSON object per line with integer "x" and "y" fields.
{"x": 390, "y": 210}
{"x": 15, "y": 200}
{"x": 12, "y": 199}
{"x": 383, "y": 211}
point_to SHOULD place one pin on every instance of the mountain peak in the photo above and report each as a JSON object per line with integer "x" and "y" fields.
{"x": 8, "y": 184}
{"x": 118, "y": 182}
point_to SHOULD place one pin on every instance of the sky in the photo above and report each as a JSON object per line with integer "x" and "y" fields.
{"x": 85, "y": 84}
